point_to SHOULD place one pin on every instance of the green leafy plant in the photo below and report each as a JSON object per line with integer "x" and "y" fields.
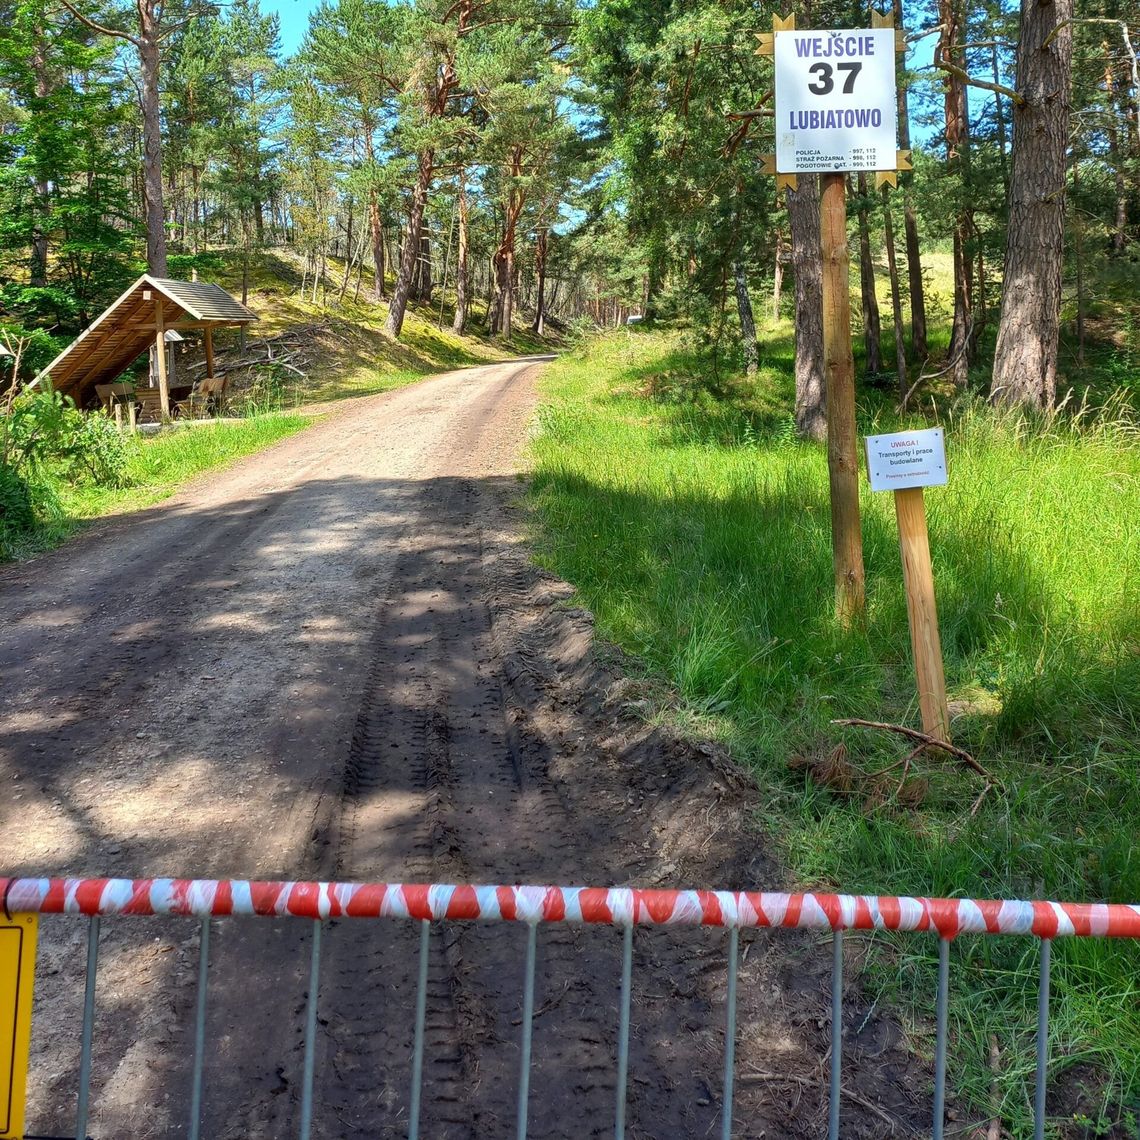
{"x": 45, "y": 427}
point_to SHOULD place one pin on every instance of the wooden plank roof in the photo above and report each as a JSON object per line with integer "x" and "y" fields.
{"x": 115, "y": 339}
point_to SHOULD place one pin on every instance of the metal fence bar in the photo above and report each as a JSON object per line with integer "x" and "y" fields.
{"x": 200, "y": 1031}
{"x": 421, "y": 1024}
{"x": 836, "y": 1034}
{"x": 88, "y": 1035}
{"x": 609, "y": 906}
{"x": 527, "y": 1030}
{"x": 615, "y": 906}
{"x": 940, "y": 1042}
{"x": 623, "y": 1029}
{"x": 311, "y": 1034}
{"x": 1042, "y": 1041}
{"x": 730, "y": 1031}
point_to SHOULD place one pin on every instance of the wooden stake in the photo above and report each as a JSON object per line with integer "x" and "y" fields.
{"x": 842, "y": 454}
{"x": 160, "y": 353}
{"x": 918, "y": 574}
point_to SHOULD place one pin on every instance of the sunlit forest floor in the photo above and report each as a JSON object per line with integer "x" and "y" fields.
{"x": 717, "y": 584}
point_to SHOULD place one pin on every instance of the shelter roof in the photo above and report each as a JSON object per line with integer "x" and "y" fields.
{"x": 115, "y": 339}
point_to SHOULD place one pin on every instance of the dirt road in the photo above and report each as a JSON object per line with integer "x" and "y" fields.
{"x": 334, "y": 659}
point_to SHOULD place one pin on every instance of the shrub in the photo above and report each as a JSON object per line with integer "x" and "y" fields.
{"x": 44, "y": 437}
{"x": 44, "y": 428}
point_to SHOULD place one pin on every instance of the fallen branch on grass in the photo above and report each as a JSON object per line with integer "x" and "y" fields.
{"x": 925, "y": 741}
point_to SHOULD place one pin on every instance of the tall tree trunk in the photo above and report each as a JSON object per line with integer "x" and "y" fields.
{"x": 491, "y": 297}
{"x": 349, "y": 253}
{"x": 149, "y": 57}
{"x": 811, "y": 394}
{"x": 540, "y": 247}
{"x": 377, "y": 230}
{"x": 916, "y": 286}
{"x": 896, "y": 295}
{"x": 1025, "y": 361}
{"x": 1117, "y": 158}
{"x": 504, "y": 260}
{"x": 427, "y": 273}
{"x": 958, "y": 163}
{"x": 496, "y": 293}
{"x": 778, "y": 275}
{"x": 395, "y": 322}
{"x": 37, "y": 270}
{"x": 872, "y": 326}
{"x": 747, "y": 322}
{"x": 1079, "y": 260}
{"x": 375, "y": 224}
{"x": 462, "y": 300}
{"x": 507, "y": 284}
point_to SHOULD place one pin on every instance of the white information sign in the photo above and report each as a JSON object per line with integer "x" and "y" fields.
{"x": 836, "y": 105}
{"x": 906, "y": 459}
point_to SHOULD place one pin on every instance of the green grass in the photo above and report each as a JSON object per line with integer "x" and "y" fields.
{"x": 718, "y": 581}
{"x": 156, "y": 467}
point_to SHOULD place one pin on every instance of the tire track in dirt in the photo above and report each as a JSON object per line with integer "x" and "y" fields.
{"x": 426, "y": 706}
{"x": 472, "y": 763}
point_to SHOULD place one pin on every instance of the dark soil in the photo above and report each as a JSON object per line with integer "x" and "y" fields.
{"x": 336, "y": 660}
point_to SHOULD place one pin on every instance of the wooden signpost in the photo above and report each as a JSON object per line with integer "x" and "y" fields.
{"x": 837, "y": 112}
{"x": 905, "y": 462}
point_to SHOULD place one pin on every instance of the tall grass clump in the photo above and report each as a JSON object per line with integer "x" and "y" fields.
{"x": 102, "y": 470}
{"x": 698, "y": 530}
{"x": 158, "y": 465}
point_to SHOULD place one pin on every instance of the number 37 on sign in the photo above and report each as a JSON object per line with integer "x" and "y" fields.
{"x": 835, "y": 100}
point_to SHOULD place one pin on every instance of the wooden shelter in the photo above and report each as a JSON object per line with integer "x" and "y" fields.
{"x": 139, "y": 319}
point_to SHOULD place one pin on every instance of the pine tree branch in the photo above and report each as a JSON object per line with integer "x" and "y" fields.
{"x": 925, "y": 740}
{"x": 970, "y": 81}
{"x": 97, "y": 27}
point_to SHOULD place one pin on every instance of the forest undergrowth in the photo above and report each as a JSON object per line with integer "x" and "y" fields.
{"x": 717, "y": 582}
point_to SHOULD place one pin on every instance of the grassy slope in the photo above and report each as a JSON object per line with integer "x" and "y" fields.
{"x": 352, "y": 356}
{"x": 717, "y": 577}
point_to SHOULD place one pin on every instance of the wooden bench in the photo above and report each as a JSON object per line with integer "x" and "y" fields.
{"x": 208, "y": 397}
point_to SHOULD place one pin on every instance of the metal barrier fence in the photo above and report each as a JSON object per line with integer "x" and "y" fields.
{"x": 535, "y": 905}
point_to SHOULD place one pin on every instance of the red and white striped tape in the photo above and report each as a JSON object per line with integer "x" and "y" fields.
{"x": 616, "y": 906}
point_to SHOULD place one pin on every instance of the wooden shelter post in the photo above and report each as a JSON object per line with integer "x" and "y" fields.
{"x": 208, "y": 341}
{"x": 160, "y": 352}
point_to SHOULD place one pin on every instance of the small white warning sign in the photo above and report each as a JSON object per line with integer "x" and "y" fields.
{"x": 906, "y": 459}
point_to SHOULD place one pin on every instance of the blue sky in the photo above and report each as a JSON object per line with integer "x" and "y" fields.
{"x": 294, "y": 20}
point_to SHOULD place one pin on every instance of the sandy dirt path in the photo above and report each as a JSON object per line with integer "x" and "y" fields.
{"x": 334, "y": 659}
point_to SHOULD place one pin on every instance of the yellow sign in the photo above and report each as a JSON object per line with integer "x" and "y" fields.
{"x": 17, "y": 969}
